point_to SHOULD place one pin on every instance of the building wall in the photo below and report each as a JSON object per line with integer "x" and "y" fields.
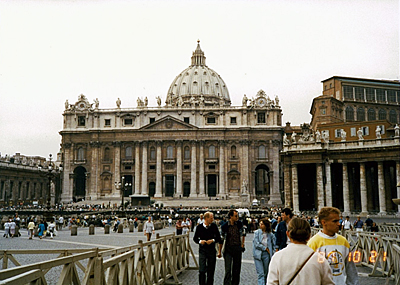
{"x": 226, "y": 129}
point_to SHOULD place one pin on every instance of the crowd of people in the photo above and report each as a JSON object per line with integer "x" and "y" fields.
{"x": 283, "y": 250}
{"x": 280, "y": 241}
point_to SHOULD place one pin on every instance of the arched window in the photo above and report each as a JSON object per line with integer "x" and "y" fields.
{"x": 81, "y": 154}
{"x": 233, "y": 151}
{"x": 128, "y": 152}
{"x": 382, "y": 115}
{"x": 261, "y": 151}
{"x": 107, "y": 154}
{"x": 211, "y": 151}
{"x": 152, "y": 153}
{"x": 371, "y": 115}
{"x": 170, "y": 152}
{"x": 349, "y": 114}
{"x": 393, "y": 117}
{"x": 360, "y": 114}
{"x": 186, "y": 153}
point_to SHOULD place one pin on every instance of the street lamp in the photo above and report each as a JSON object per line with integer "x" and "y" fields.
{"x": 123, "y": 186}
{"x": 50, "y": 174}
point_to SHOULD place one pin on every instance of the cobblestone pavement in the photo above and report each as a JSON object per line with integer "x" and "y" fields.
{"x": 114, "y": 240}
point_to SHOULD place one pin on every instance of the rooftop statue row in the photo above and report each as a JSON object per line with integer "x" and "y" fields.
{"x": 309, "y": 136}
{"x": 261, "y": 101}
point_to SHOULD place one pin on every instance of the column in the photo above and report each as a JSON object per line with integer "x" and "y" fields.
{"x": 295, "y": 189}
{"x": 117, "y": 168}
{"x": 158, "y": 193}
{"x": 144, "y": 168}
{"x": 288, "y": 185}
{"x": 66, "y": 195}
{"x": 202, "y": 192}
{"x": 179, "y": 169}
{"x": 244, "y": 162}
{"x": 381, "y": 187}
{"x": 320, "y": 187}
{"x": 328, "y": 186}
{"x": 95, "y": 146}
{"x": 193, "y": 171}
{"x": 222, "y": 168}
{"x": 137, "y": 168}
{"x": 346, "y": 195}
{"x": 363, "y": 189}
{"x": 274, "y": 178}
{"x": 397, "y": 183}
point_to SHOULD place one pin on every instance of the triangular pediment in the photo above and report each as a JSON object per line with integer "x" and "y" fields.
{"x": 168, "y": 123}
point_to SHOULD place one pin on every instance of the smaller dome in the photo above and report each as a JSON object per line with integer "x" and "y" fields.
{"x": 198, "y": 85}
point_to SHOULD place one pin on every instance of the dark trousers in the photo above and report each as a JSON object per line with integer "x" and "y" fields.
{"x": 207, "y": 260}
{"x": 233, "y": 264}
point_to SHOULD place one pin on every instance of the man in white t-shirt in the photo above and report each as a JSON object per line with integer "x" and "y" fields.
{"x": 200, "y": 220}
{"x": 346, "y": 224}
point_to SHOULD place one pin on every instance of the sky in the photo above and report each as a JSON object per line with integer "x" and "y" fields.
{"x": 51, "y": 51}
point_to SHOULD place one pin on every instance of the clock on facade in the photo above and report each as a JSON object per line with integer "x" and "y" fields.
{"x": 261, "y": 102}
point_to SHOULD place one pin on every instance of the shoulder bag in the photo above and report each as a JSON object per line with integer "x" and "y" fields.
{"x": 301, "y": 267}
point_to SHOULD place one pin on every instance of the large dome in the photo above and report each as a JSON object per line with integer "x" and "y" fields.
{"x": 198, "y": 85}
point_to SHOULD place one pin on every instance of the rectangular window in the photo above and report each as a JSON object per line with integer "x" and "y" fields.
{"x": 233, "y": 120}
{"x": 211, "y": 120}
{"x": 380, "y": 95}
{"x": 152, "y": 167}
{"x": 348, "y": 92}
{"x": 261, "y": 118}
{"x": 338, "y": 133}
{"x": 128, "y": 167}
{"x": 152, "y": 120}
{"x": 186, "y": 120}
{"x": 391, "y": 94}
{"x": 107, "y": 122}
{"x": 323, "y": 111}
{"x": 186, "y": 167}
{"x": 211, "y": 167}
{"x": 353, "y": 132}
{"x": 81, "y": 121}
{"x": 128, "y": 122}
{"x": 365, "y": 131}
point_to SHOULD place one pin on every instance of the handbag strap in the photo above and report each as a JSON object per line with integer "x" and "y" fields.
{"x": 294, "y": 276}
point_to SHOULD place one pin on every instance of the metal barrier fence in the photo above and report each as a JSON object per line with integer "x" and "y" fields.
{"x": 148, "y": 263}
{"x": 379, "y": 251}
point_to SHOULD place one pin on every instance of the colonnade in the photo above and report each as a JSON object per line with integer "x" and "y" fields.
{"x": 323, "y": 187}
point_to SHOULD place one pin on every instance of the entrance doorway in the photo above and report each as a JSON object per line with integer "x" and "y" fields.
{"x": 262, "y": 180}
{"x": 79, "y": 192}
{"x": 152, "y": 189}
{"x": 186, "y": 189}
{"x": 307, "y": 187}
{"x": 212, "y": 185}
{"x": 169, "y": 185}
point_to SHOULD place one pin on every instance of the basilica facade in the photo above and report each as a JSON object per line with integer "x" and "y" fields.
{"x": 195, "y": 144}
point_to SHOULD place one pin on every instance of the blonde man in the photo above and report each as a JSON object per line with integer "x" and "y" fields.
{"x": 334, "y": 247}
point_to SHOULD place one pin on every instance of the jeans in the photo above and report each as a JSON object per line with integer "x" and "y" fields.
{"x": 207, "y": 261}
{"x": 233, "y": 263}
{"x": 262, "y": 267}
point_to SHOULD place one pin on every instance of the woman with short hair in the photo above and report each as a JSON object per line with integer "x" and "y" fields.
{"x": 298, "y": 263}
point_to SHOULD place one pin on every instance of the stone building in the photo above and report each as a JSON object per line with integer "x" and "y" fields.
{"x": 196, "y": 145}
{"x": 347, "y": 157}
{"x": 24, "y": 180}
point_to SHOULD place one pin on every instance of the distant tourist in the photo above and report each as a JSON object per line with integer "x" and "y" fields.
{"x": 148, "y": 228}
{"x": 358, "y": 224}
{"x": 368, "y": 223}
{"x": 31, "y": 227}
